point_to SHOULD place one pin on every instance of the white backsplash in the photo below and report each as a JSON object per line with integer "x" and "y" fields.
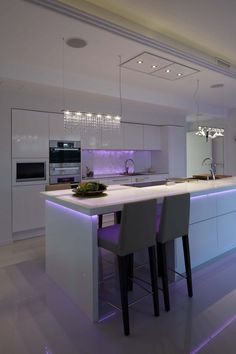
{"x": 103, "y": 162}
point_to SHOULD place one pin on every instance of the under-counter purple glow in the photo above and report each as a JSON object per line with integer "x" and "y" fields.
{"x": 70, "y": 211}
{"x": 213, "y": 194}
{"x": 213, "y": 335}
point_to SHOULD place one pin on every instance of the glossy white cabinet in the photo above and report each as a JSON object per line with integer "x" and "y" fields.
{"x": 132, "y": 136}
{"x": 27, "y": 208}
{"x": 30, "y": 134}
{"x": 176, "y": 151}
{"x": 151, "y": 137}
{"x": 112, "y": 139}
{"x": 92, "y": 139}
{"x": 56, "y": 126}
{"x": 57, "y": 130}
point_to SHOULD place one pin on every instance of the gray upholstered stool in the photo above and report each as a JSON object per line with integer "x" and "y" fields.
{"x": 173, "y": 223}
{"x": 137, "y": 231}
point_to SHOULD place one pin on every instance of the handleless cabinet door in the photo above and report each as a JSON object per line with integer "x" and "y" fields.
{"x": 56, "y": 126}
{"x": 30, "y": 134}
{"x": 132, "y": 136}
{"x": 58, "y": 131}
{"x": 151, "y": 137}
{"x": 112, "y": 139}
{"x": 28, "y": 208}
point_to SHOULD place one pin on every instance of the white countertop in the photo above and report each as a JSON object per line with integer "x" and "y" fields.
{"x": 118, "y": 195}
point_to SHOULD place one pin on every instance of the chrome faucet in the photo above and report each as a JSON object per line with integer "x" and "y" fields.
{"x": 128, "y": 164}
{"x": 212, "y": 166}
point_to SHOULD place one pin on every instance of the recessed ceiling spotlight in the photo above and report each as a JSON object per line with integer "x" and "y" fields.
{"x": 168, "y": 70}
{"x": 140, "y": 62}
{"x": 76, "y": 42}
{"x": 179, "y": 74}
{"x": 154, "y": 66}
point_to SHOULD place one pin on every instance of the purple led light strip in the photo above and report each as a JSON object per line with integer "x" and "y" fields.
{"x": 214, "y": 193}
{"x": 213, "y": 335}
{"x": 70, "y": 211}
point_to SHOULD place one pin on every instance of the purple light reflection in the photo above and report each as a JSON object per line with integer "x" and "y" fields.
{"x": 104, "y": 318}
{"x": 108, "y": 161}
{"x": 70, "y": 211}
{"x": 214, "y": 193}
{"x": 213, "y": 335}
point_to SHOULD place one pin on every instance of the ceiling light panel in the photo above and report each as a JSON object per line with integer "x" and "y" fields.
{"x": 175, "y": 72}
{"x": 146, "y": 63}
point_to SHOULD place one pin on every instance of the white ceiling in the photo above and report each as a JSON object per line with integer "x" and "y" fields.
{"x": 32, "y": 50}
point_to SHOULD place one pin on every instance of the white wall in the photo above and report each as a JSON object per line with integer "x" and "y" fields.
{"x": 35, "y": 97}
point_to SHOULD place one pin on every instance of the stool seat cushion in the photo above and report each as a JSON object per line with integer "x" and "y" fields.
{"x": 108, "y": 238}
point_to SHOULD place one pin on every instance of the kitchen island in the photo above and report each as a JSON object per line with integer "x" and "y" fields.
{"x": 71, "y": 231}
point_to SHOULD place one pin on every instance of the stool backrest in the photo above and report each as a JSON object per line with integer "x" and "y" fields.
{"x": 138, "y": 226}
{"x": 174, "y": 217}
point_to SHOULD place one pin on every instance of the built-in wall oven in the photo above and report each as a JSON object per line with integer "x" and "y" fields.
{"x": 64, "y": 161}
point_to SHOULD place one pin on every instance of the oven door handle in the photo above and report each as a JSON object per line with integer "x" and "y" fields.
{"x": 66, "y": 168}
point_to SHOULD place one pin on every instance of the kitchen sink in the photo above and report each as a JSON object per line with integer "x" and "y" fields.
{"x": 135, "y": 174}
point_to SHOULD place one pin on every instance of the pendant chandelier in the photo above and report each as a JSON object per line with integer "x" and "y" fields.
{"x": 85, "y": 121}
{"x": 208, "y": 132}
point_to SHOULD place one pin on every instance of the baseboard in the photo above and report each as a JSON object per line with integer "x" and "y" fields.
{"x": 23, "y": 235}
{"x": 6, "y": 242}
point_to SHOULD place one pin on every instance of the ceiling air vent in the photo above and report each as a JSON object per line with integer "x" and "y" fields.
{"x": 224, "y": 64}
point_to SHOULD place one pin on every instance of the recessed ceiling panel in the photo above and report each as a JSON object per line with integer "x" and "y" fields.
{"x": 175, "y": 72}
{"x": 146, "y": 63}
{"x": 155, "y": 65}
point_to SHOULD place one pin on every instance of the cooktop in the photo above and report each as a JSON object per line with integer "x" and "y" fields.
{"x": 146, "y": 184}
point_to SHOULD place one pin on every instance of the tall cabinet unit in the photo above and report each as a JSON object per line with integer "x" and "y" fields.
{"x": 172, "y": 157}
{"x": 30, "y": 144}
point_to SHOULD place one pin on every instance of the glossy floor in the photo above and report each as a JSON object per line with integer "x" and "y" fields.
{"x": 37, "y": 317}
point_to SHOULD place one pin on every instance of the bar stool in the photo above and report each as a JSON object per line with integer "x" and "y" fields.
{"x": 173, "y": 223}
{"x": 136, "y": 232}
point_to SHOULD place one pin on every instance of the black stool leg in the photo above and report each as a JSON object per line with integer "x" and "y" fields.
{"x": 123, "y": 265}
{"x": 164, "y": 275}
{"x": 187, "y": 264}
{"x": 153, "y": 271}
{"x": 130, "y": 271}
{"x": 159, "y": 264}
{"x": 100, "y": 219}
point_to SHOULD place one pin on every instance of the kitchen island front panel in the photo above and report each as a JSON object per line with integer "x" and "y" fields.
{"x": 71, "y": 231}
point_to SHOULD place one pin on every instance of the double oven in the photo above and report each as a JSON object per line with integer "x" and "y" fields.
{"x": 64, "y": 161}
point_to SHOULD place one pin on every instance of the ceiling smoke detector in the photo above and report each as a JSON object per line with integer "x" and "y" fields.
{"x": 217, "y": 85}
{"x": 76, "y": 42}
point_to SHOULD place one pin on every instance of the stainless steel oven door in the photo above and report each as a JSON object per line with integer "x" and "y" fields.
{"x": 61, "y": 169}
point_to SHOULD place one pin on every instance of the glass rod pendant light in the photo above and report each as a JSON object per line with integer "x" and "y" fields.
{"x": 85, "y": 121}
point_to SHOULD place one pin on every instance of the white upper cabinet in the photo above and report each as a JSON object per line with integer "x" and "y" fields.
{"x": 151, "y": 137}
{"x": 91, "y": 138}
{"x": 30, "y": 134}
{"x": 112, "y": 139}
{"x": 132, "y": 136}
{"x": 56, "y": 126}
{"x": 57, "y": 130}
